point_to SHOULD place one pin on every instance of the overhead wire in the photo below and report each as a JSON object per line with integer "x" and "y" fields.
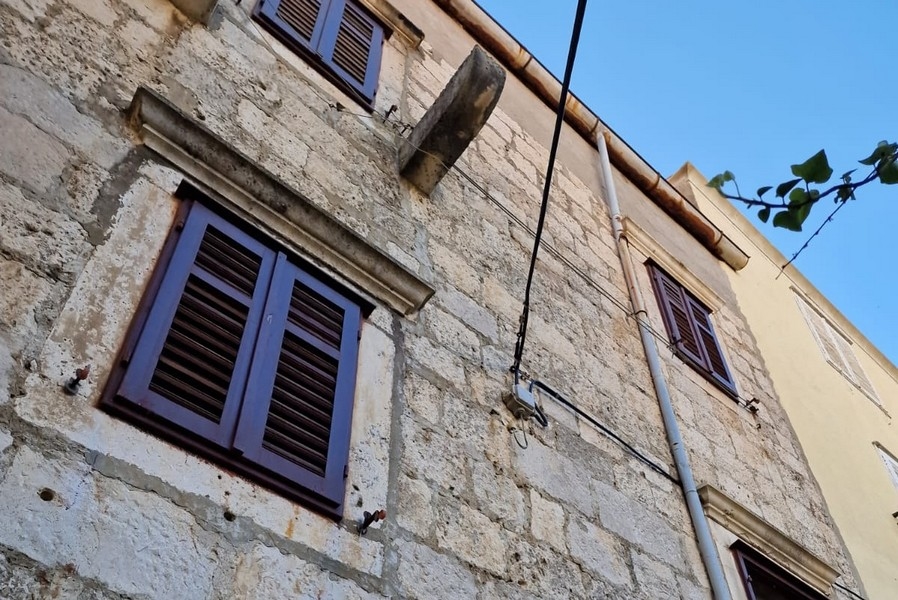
{"x": 544, "y": 205}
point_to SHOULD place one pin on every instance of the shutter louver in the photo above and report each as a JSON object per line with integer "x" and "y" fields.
{"x": 301, "y": 15}
{"x": 302, "y": 403}
{"x": 197, "y": 359}
{"x": 352, "y": 49}
{"x": 858, "y": 376}
{"x": 302, "y": 382}
{"x": 709, "y": 343}
{"x": 679, "y": 323}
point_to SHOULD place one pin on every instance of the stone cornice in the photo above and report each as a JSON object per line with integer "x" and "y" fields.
{"x": 253, "y": 191}
{"x": 766, "y": 538}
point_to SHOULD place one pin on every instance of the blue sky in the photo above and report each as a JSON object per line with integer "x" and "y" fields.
{"x": 752, "y": 87}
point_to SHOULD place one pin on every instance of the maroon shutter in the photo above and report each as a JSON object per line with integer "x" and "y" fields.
{"x": 715, "y": 363}
{"x": 190, "y": 363}
{"x": 297, "y": 414}
{"x": 676, "y": 316}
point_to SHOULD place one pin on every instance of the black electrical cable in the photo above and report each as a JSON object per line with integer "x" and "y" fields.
{"x": 853, "y": 593}
{"x": 559, "y": 121}
{"x": 636, "y": 453}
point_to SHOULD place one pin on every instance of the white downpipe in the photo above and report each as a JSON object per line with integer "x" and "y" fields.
{"x": 706, "y": 547}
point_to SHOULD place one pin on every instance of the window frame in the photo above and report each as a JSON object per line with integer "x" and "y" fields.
{"x": 323, "y": 493}
{"x": 695, "y": 346}
{"x": 318, "y": 49}
{"x": 745, "y": 555}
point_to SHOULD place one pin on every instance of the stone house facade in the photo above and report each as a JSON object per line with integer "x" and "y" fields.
{"x": 132, "y": 130}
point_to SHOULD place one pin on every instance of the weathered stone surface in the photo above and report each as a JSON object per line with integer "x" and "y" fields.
{"x": 5, "y": 439}
{"x": 39, "y": 164}
{"x": 473, "y": 537}
{"x": 547, "y": 521}
{"x": 134, "y": 542}
{"x": 598, "y": 551}
{"x": 49, "y": 110}
{"x": 563, "y": 481}
{"x": 425, "y": 574}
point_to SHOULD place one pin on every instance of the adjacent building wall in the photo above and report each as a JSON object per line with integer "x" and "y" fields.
{"x": 96, "y": 508}
{"x": 840, "y": 428}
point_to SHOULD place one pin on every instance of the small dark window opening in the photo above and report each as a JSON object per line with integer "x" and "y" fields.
{"x": 765, "y": 580}
{"x": 338, "y": 37}
{"x": 689, "y": 326}
{"x": 245, "y": 355}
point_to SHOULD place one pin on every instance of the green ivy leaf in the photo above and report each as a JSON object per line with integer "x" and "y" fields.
{"x": 802, "y": 212}
{"x": 883, "y": 149}
{"x": 787, "y": 219}
{"x": 764, "y": 213}
{"x": 797, "y": 196}
{"x": 716, "y": 182}
{"x": 764, "y": 190}
{"x": 783, "y": 188}
{"x": 815, "y": 169}
{"x": 888, "y": 173}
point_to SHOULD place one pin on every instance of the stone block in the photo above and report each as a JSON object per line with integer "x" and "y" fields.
{"x": 425, "y": 574}
{"x": 41, "y": 103}
{"x": 563, "y": 480}
{"x": 99, "y": 10}
{"x": 469, "y": 312}
{"x": 639, "y": 525}
{"x": 48, "y": 240}
{"x": 134, "y": 542}
{"x": 654, "y": 579}
{"x": 19, "y": 307}
{"x": 415, "y": 506}
{"x": 598, "y": 551}
{"x": 39, "y": 163}
{"x": 266, "y": 572}
{"x": 497, "y": 495}
{"x": 5, "y": 440}
{"x": 547, "y": 521}
{"x": 473, "y": 537}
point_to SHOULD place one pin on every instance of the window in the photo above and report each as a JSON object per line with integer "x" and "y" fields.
{"x": 242, "y": 354}
{"x": 836, "y": 348}
{"x": 764, "y": 580}
{"x": 688, "y": 324}
{"x": 338, "y": 37}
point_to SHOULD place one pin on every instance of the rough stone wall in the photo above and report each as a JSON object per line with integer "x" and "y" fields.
{"x": 95, "y": 508}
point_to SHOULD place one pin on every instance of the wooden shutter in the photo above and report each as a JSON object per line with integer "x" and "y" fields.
{"x": 297, "y": 414}
{"x": 676, "y": 315}
{"x": 708, "y": 340}
{"x": 352, "y": 45}
{"x": 820, "y": 330}
{"x": 190, "y": 363}
{"x": 857, "y": 376}
{"x": 300, "y": 20}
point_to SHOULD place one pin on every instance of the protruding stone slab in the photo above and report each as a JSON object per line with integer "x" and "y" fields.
{"x": 198, "y": 10}
{"x": 453, "y": 121}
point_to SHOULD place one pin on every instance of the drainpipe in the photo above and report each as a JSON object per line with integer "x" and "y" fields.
{"x": 706, "y": 547}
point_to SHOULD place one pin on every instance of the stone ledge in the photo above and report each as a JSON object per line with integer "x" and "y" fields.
{"x": 216, "y": 165}
{"x": 766, "y": 538}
